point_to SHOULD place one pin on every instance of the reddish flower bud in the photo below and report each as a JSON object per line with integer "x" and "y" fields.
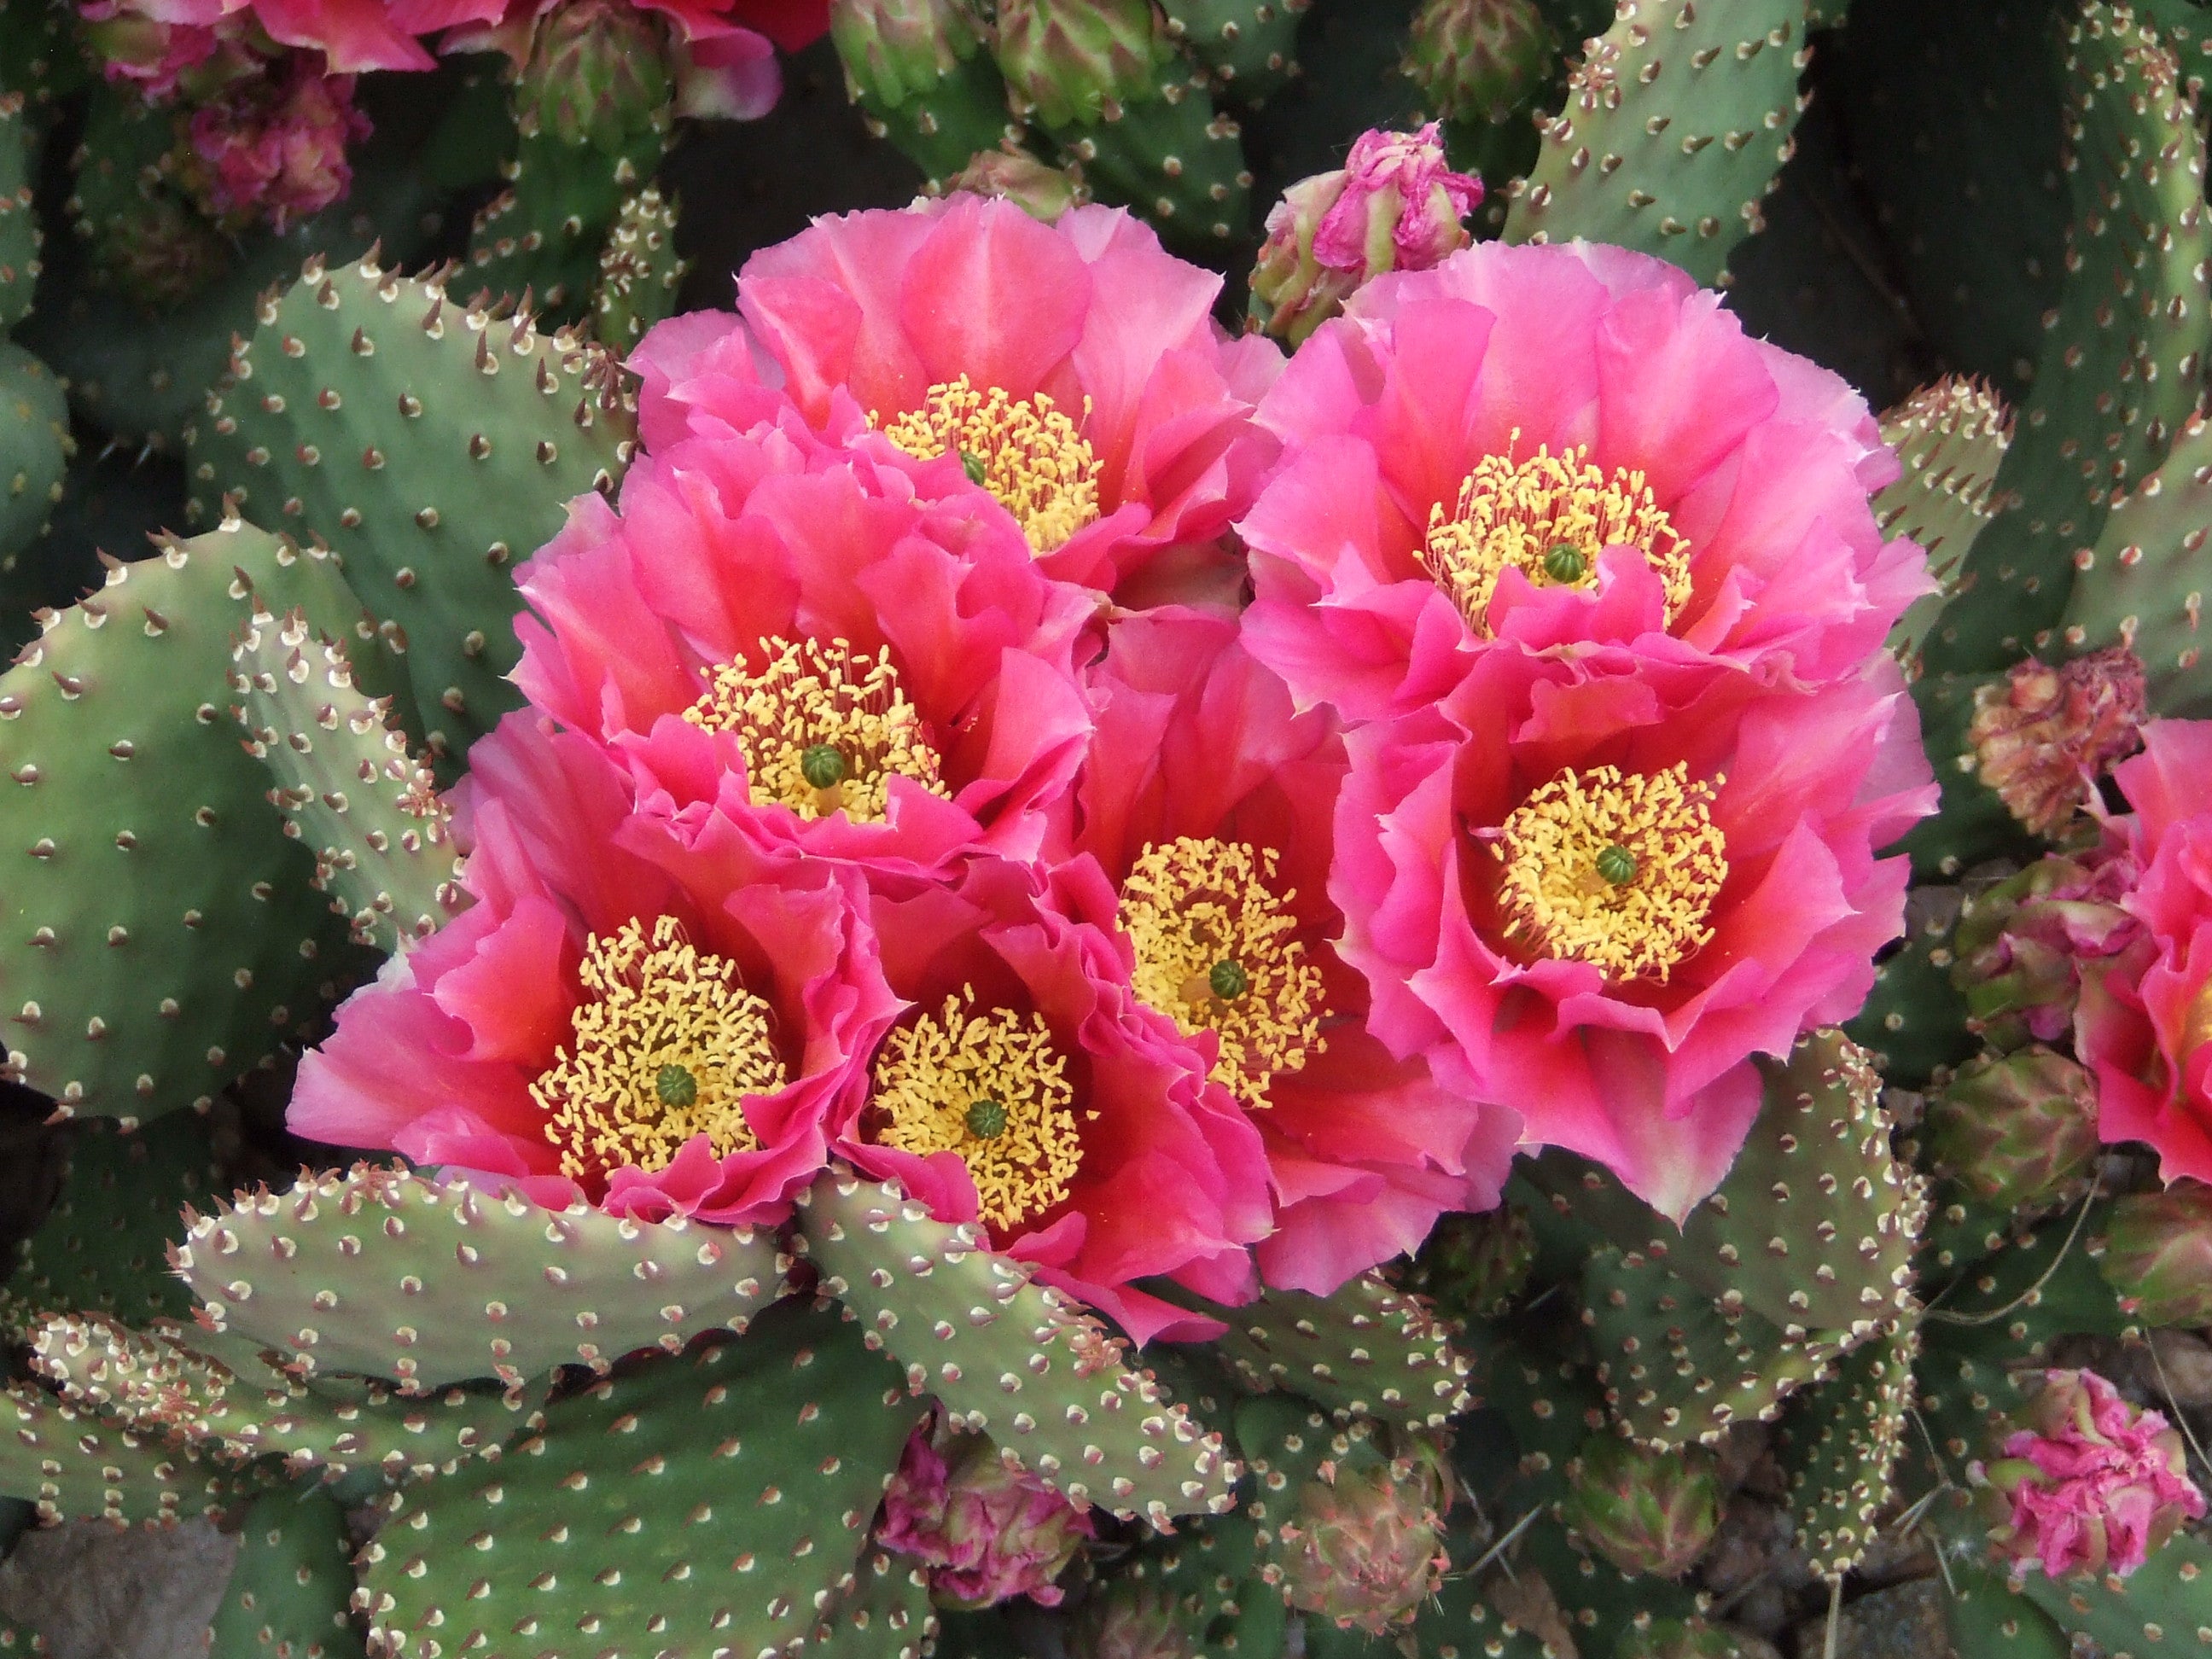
{"x": 2158, "y": 1254}
{"x": 1643, "y": 1511}
{"x": 2042, "y": 737}
{"x": 988, "y": 1532}
{"x": 2016, "y": 1129}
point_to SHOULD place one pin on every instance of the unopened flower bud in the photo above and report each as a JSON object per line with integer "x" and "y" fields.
{"x": 895, "y": 49}
{"x": 1477, "y": 60}
{"x": 1473, "y": 1264}
{"x": 2016, "y": 1129}
{"x": 1643, "y": 1511}
{"x": 2086, "y": 1482}
{"x": 1080, "y": 61}
{"x": 988, "y": 1531}
{"x": 2158, "y": 1254}
{"x": 599, "y": 72}
{"x": 1133, "y": 1620}
{"x": 1039, "y": 190}
{"x": 162, "y": 253}
{"x": 1363, "y": 1543}
{"x": 273, "y": 147}
{"x": 2022, "y": 946}
{"x": 2043, "y": 737}
{"x": 1394, "y": 206}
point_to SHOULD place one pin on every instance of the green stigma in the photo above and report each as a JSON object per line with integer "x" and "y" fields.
{"x": 972, "y": 465}
{"x": 1227, "y": 979}
{"x": 1617, "y": 864}
{"x": 822, "y": 765}
{"x": 987, "y": 1119}
{"x": 676, "y": 1086}
{"x": 1566, "y": 562}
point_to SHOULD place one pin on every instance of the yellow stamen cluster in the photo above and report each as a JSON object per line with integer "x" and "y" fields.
{"x": 812, "y": 699}
{"x": 1548, "y": 517}
{"x": 1617, "y": 870}
{"x": 1023, "y": 450}
{"x": 668, "y": 1043}
{"x": 1191, "y": 907}
{"x": 990, "y": 1087}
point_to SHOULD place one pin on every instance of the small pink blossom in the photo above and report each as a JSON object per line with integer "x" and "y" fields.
{"x": 273, "y": 147}
{"x": 2091, "y": 1484}
{"x": 988, "y": 1531}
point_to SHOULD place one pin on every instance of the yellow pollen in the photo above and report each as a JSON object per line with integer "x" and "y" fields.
{"x": 1192, "y": 905}
{"x": 1030, "y": 456}
{"x": 1562, "y": 894}
{"x": 667, "y": 1044}
{"x": 931, "y": 1072}
{"x": 814, "y": 697}
{"x": 1548, "y": 517}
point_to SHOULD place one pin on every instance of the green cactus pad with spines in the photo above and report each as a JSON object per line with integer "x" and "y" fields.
{"x": 386, "y": 1273}
{"x": 20, "y": 236}
{"x": 2143, "y": 585}
{"x": 1018, "y": 1361}
{"x": 542, "y": 234}
{"x": 1209, "y": 1569}
{"x": 939, "y": 105}
{"x": 1814, "y": 1225}
{"x": 1679, "y": 1369}
{"x": 884, "y": 1614}
{"x": 159, "y": 936}
{"x": 1914, "y": 1019}
{"x": 1251, "y": 45}
{"x": 719, "y": 1498}
{"x": 289, "y": 1592}
{"x": 73, "y": 1465}
{"x": 1598, "y": 1603}
{"x": 639, "y": 271}
{"x": 1366, "y": 1349}
{"x": 430, "y": 446}
{"x": 2124, "y": 350}
{"x": 348, "y": 789}
{"x": 2160, "y": 1606}
{"x": 1844, "y": 1440}
{"x": 1988, "y": 1620}
{"x": 36, "y": 447}
{"x": 1676, "y": 122}
{"x": 1951, "y": 438}
{"x": 1971, "y": 824}
{"x": 104, "y": 1246}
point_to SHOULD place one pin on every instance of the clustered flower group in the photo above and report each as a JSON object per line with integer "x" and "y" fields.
{"x": 1193, "y": 814}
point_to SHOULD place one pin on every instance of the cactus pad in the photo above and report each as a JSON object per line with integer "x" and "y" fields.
{"x": 390, "y": 1274}
{"x": 36, "y": 447}
{"x": 160, "y": 934}
{"x": 1845, "y": 1441}
{"x": 613, "y": 1524}
{"x": 1951, "y": 437}
{"x": 429, "y": 446}
{"x": 287, "y": 1595}
{"x": 347, "y": 786}
{"x": 1677, "y": 121}
{"x": 73, "y": 1466}
{"x": 19, "y": 223}
{"x": 639, "y": 271}
{"x": 1017, "y": 1360}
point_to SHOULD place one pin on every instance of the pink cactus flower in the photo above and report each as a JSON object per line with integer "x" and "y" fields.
{"x": 272, "y": 148}
{"x": 1396, "y": 205}
{"x": 796, "y": 640}
{"x": 352, "y": 35}
{"x": 2090, "y": 1484}
{"x": 988, "y": 1531}
{"x": 1029, "y": 1088}
{"x": 1554, "y": 448}
{"x": 1207, "y": 801}
{"x": 2141, "y": 1026}
{"x": 1592, "y": 889}
{"x": 616, "y": 1016}
{"x": 1073, "y": 370}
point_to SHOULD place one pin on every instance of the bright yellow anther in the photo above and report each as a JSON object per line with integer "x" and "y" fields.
{"x": 667, "y": 1042}
{"x": 1531, "y": 515}
{"x": 930, "y": 1075}
{"x": 1617, "y": 870}
{"x": 1023, "y": 450}
{"x": 1205, "y": 918}
{"x": 812, "y": 699}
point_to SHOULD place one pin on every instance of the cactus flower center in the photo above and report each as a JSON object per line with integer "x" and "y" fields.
{"x": 1548, "y": 517}
{"x": 666, "y": 1045}
{"x": 990, "y": 1087}
{"x": 1619, "y": 870}
{"x": 1214, "y": 953}
{"x": 1023, "y": 450}
{"x": 823, "y": 729}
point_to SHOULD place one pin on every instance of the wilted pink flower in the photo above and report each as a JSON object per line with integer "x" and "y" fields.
{"x": 2089, "y": 1483}
{"x": 155, "y": 57}
{"x": 1072, "y": 370}
{"x": 2043, "y": 739}
{"x": 1555, "y": 448}
{"x": 2023, "y": 946}
{"x": 1394, "y": 206}
{"x": 988, "y": 1531}
{"x": 614, "y": 1017}
{"x": 1207, "y": 801}
{"x": 1591, "y": 889}
{"x": 352, "y": 35}
{"x": 2142, "y": 1023}
{"x": 273, "y": 147}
